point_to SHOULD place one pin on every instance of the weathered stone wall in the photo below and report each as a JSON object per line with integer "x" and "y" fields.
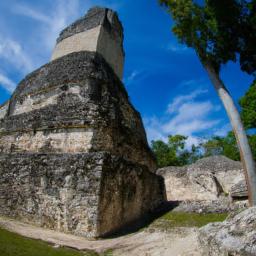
{"x": 89, "y": 194}
{"x": 207, "y": 179}
{"x": 78, "y": 93}
{"x": 235, "y": 236}
{"x": 96, "y": 16}
{"x": 73, "y": 150}
{"x": 128, "y": 192}
{"x": 113, "y": 55}
{"x": 53, "y": 169}
{"x": 72, "y": 140}
{"x": 54, "y": 191}
{"x": 83, "y": 41}
{"x": 182, "y": 185}
{"x": 99, "y": 31}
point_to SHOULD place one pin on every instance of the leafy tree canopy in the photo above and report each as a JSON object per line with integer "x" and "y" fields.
{"x": 219, "y": 30}
{"x": 175, "y": 152}
{"x": 222, "y": 146}
{"x": 248, "y": 104}
{"x": 207, "y": 28}
{"x": 247, "y": 37}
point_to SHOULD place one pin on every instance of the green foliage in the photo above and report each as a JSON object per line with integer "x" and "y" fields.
{"x": 219, "y": 30}
{"x": 108, "y": 253}
{"x": 173, "y": 153}
{"x": 222, "y": 146}
{"x": 207, "y": 28}
{"x": 164, "y": 155}
{"x": 247, "y": 37}
{"x": 248, "y": 104}
{"x": 15, "y": 245}
{"x": 252, "y": 141}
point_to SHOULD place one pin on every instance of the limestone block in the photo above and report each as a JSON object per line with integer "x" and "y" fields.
{"x": 77, "y": 93}
{"x": 99, "y": 31}
{"x": 208, "y": 179}
{"x": 83, "y": 41}
{"x": 239, "y": 190}
{"x": 65, "y": 141}
{"x": 88, "y": 194}
{"x": 184, "y": 186}
{"x": 235, "y": 236}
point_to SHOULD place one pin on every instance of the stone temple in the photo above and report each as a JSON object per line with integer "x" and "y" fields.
{"x": 73, "y": 150}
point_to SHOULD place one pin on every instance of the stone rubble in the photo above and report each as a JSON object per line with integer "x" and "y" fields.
{"x": 235, "y": 237}
{"x": 209, "y": 179}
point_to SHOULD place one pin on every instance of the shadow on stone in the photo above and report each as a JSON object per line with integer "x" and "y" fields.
{"x": 145, "y": 221}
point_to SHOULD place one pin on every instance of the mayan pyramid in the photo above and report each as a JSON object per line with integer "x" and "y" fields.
{"x": 73, "y": 150}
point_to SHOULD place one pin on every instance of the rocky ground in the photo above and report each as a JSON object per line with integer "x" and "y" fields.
{"x": 193, "y": 225}
{"x": 213, "y": 184}
{"x": 152, "y": 241}
{"x": 235, "y": 236}
{"x": 175, "y": 234}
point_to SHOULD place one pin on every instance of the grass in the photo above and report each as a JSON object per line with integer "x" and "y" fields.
{"x": 108, "y": 253}
{"x": 183, "y": 219}
{"x": 15, "y": 245}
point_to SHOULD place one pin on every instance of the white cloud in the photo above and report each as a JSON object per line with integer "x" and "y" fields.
{"x": 33, "y": 51}
{"x": 185, "y": 115}
{"x": 31, "y": 13}
{"x": 134, "y": 75}
{"x": 12, "y": 52}
{"x": 191, "y": 118}
{"x": 155, "y": 134}
{"x": 7, "y": 83}
{"x": 222, "y": 131}
{"x": 154, "y": 129}
{"x": 189, "y": 127}
{"x": 178, "y": 48}
{"x": 23, "y": 55}
{"x": 174, "y": 105}
{"x": 193, "y": 140}
{"x": 56, "y": 19}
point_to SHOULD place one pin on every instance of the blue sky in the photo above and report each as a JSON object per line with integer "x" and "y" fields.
{"x": 164, "y": 79}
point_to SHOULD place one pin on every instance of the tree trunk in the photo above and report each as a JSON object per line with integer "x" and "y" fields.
{"x": 238, "y": 128}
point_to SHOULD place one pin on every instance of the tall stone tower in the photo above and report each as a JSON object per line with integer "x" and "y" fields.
{"x": 73, "y": 151}
{"x": 99, "y": 31}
